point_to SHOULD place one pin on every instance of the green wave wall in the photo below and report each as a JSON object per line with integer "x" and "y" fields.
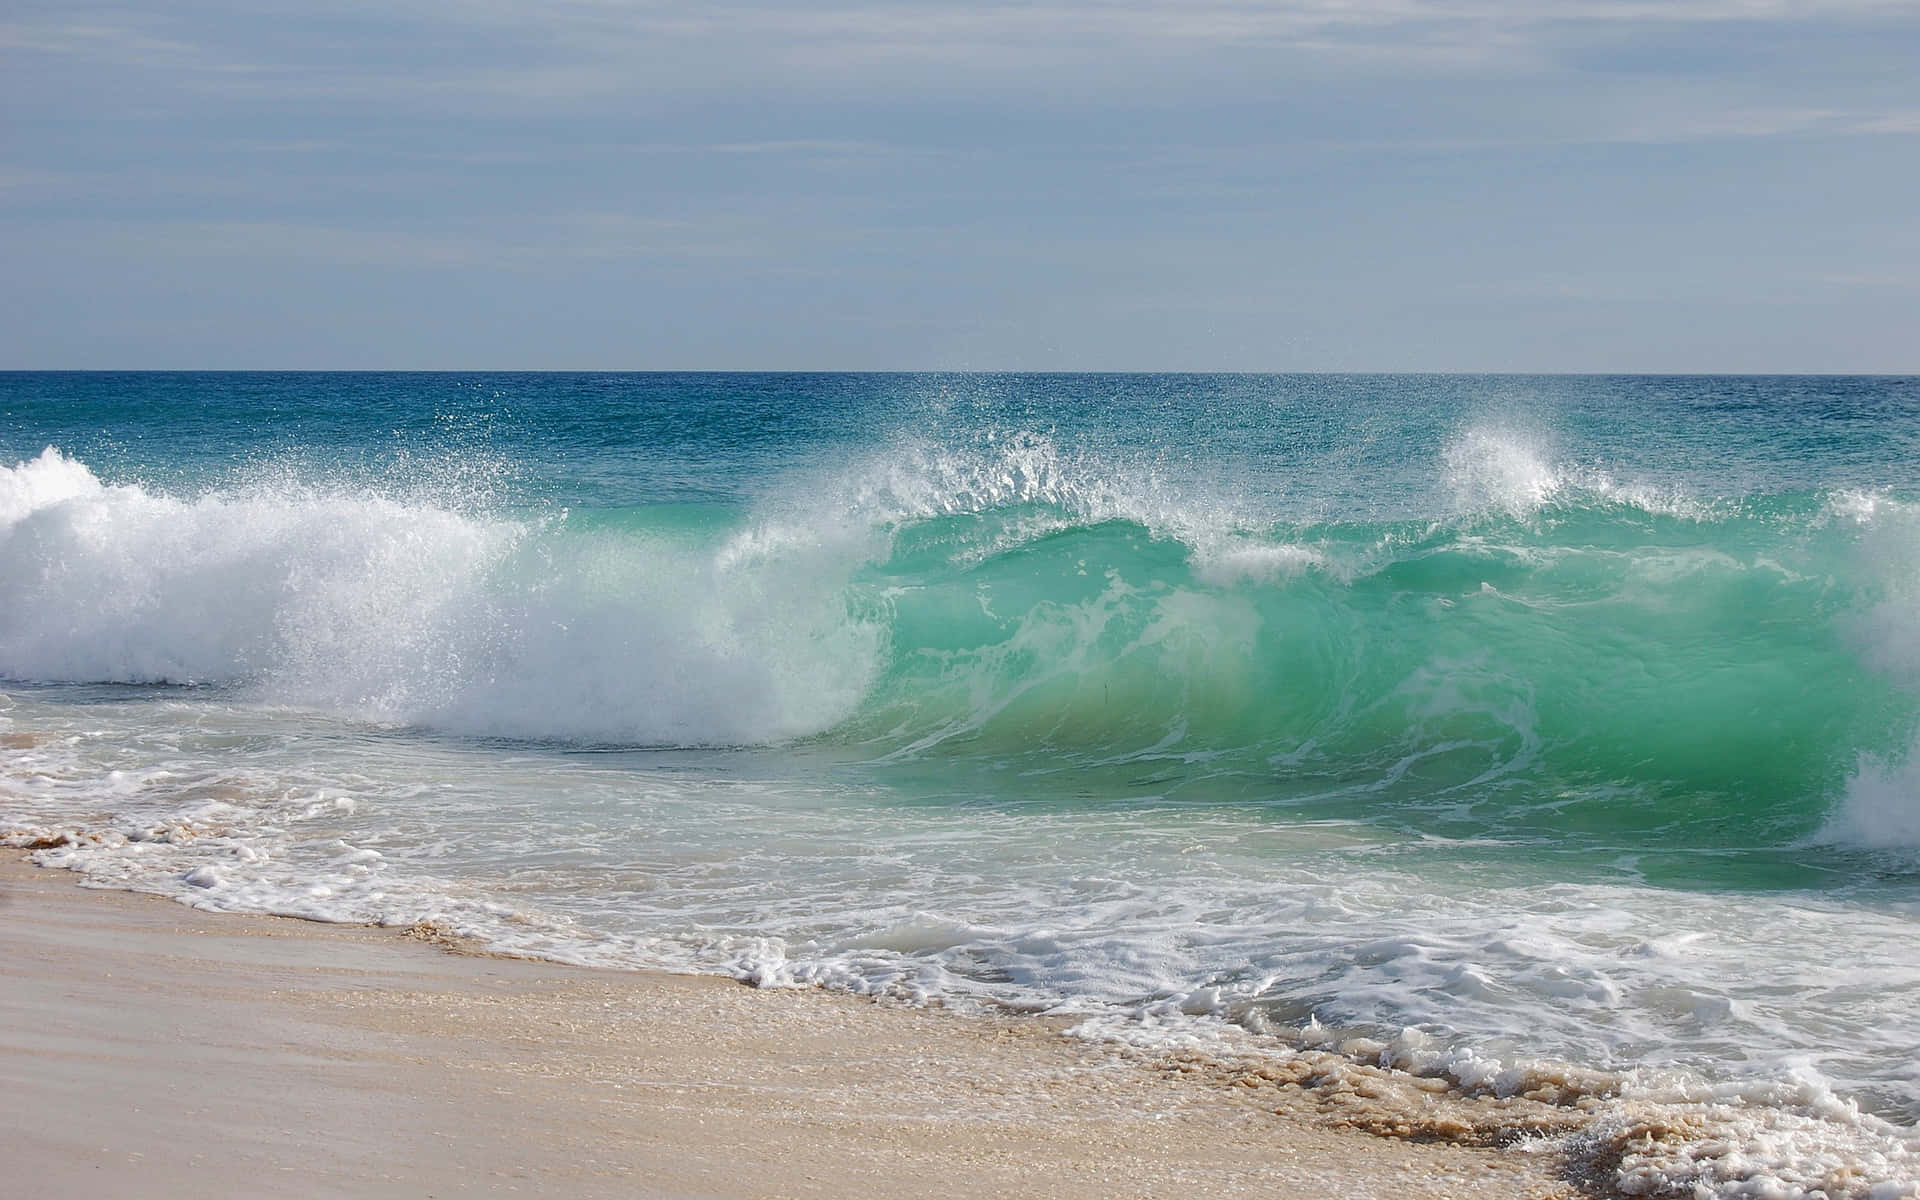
{"x": 1591, "y": 666}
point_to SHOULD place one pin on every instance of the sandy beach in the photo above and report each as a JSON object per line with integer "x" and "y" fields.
{"x": 149, "y": 1049}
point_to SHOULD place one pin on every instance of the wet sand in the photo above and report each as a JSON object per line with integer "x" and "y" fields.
{"x": 149, "y": 1049}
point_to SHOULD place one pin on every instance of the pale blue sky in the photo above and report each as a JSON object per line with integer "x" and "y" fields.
{"x": 1502, "y": 185}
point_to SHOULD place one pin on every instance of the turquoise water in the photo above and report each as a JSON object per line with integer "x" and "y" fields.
{"x": 1560, "y": 718}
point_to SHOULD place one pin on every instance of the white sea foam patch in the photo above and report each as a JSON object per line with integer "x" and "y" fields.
{"x": 1028, "y": 486}
{"x": 1826, "y": 1150}
{"x": 915, "y": 478}
{"x": 400, "y": 609}
{"x": 1500, "y": 470}
{"x": 1889, "y": 551}
{"x": 116, "y": 583}
{"x": 1236, "y": 560}
{"x": 43, "y": 482}
{"x": 1881, "y": 807}
{"x": 605, "y": 639}
{"x": 1516, "y": 472}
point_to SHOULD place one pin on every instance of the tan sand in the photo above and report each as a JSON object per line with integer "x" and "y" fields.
{"x": 150, "y": 1050}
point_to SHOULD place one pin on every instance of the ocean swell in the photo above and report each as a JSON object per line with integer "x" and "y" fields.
{"x": 1636, "y": 667}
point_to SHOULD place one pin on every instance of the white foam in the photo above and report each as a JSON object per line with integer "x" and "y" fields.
{"x": 1881, "y": 807}
{"x": 404, "y": 610}
{"x": 1500, "y": 469}
{"x": 43, "y": 482}
{"x": 1517, "y": 472}
{"x": 1240, "y": 561}
{"x": 1003, "y": 472}
{"x": 1821, "y": 1149}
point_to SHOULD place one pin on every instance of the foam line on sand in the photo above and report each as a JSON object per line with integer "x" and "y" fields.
{"x": 149, "y": 1049}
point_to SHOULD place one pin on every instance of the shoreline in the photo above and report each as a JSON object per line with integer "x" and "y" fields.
{"x": 150, "y": 1048}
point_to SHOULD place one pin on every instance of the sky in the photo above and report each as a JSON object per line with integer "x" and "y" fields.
{"x": 1299, "y": 185}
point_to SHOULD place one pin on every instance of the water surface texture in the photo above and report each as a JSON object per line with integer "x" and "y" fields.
{"x": 1538, "y": 719}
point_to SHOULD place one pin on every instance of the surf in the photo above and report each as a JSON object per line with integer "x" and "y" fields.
{"x": 1517, "y": 746}
{"x": 1554, "y": 657}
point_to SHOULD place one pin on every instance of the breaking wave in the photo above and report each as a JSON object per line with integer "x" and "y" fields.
{"x": 1638, "y": 659}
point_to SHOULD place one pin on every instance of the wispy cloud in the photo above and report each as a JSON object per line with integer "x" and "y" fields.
{"x": 571, "y": 50}
{"x": 21, "y": 179}
{"x": 1766, "y": 123}
{"x": 1890, "y": 281}
{"x": 109, "y": 42}
{"x": 1114, "y": 171}
{"x": 562, "y": 238}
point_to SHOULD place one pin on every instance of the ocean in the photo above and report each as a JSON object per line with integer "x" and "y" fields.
{"x": 1495, "y": 727}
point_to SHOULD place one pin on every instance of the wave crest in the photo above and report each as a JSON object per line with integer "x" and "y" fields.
{"x": 416, "y": 613}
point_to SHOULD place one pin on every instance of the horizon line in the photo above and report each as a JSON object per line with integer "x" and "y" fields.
{"x": 1000, "y": 371}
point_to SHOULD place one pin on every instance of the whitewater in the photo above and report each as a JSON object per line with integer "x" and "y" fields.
{"x": 1547, "y": 736}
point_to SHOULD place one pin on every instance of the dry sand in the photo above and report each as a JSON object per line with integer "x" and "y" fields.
{"x": 150, "y": 1050}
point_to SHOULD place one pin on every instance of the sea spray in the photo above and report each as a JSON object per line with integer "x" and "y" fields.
{"x": 413, "y": 612}
{"x": 1881, "y": 806}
